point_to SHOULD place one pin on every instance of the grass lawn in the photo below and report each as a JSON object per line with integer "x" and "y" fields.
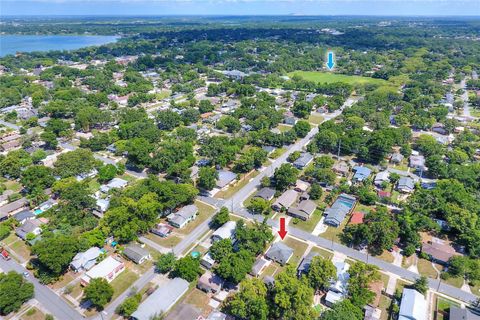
{"x": 21, "y": 249}
{"x": 197, "y": 298}
{"x": 329, "y": 77}
{"x": 443, "y": 307}
{"x": 310, "y": 224}
{"x": 13, "y": 185}
{"x": 272, "y": 270}
{"x": 385, "y": 279}
{"x": 408, "y": 261}
{"x": 298, "y": 247}
{"x": 277, "y": 153}
{"x": 10, "y": 239}
{"x": 122, "y": 282}
{"x": 475, "y": 288}
{"x": 454, "y": 281}
{"x": 384, "y": 305}
{"x": 425, "y": 268}
{"x": 324, "y": 253}
{"x": 334, "y": 233}
{"x": 232, "y": 189}
{"x": 386, "y": 256}
{"x": 204, "y": 211}
{"x": 170, "y": 241}
{"x": 33, "y": 314}
{"x": 400, "y": 285}
{"x": 284, "y": 127}
{"x": 315, "y": 119}
{"x": 66, "y": 279}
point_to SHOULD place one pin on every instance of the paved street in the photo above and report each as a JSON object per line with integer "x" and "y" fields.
{"x": 55, "y": 305}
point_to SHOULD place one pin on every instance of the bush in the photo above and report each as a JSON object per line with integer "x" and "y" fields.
{"x": 129, "y": 306}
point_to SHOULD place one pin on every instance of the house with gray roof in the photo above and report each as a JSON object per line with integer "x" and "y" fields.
{"x": 258, "y": 267}
{"x": 381, "y": 177}
{"x": 462, "y": 314}
{"x": 265, "y": 194}
{"x": 225, "y": 178}
{"x": 279, "y": 252}
{"x": 406, "y": 185}
{"x": 396, "y": 158}
{"x": 161, "y": 300}
{"x": 303, "y": 210}
{"x": 342, "y": 206}
{"x": 183, "y": 216}
{"x": 115, "y": 183}
{"x": 306, "y": 261}
{"x": 417, "y": 162}
{"x": 23, "y": 216}
{"x": 85, "y": 260}
{"x": 31, "y": 226}
{"x": 226, "y": 231}
{"x": 305, "y": 159}
{"x": 341, "y": 168}
{"x": 413, "y": 306}
{"x": 286, "y": 200}
{"x": 136, "y": 253}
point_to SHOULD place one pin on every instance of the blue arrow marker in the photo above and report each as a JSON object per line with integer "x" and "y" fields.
{"x": 330, "y": 63}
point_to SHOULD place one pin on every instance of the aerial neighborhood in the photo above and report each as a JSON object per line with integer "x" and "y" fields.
{"x": 220, "y": 169}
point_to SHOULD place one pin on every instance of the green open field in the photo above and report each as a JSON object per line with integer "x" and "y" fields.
{"x": 327, "y": 77}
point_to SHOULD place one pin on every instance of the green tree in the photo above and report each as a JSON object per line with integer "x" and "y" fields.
{"x": 99, "y": 292}
{"x": 14, "y": 291}
{"x": 129, "y": 305}
{"x": 221, "y": 249}
{"x": 259, "y": 206}
{"x": 207, "y": 178}
{"x": 250, "y": 302}
{"x": 285, "y": 176}
{"x": 302, "y": 128}
{"x": 421, "y": 285}
{"x": 187, "y": 268}
{"x": 235, "y": 267}
{"x": 37, "y": 177}
{"x": 343, "y": 310}
{"x": 361, "y": 276}
{"x": 73, "y": 163}
{"x": 168, "y": 120}
{"x": 321, "y": 272}
{"x": 107, "y": 172}
{"x": 221, "y": 217}
{"x": 165, "y": 262}
{"x": 315, "y": 191}
{"x": 292, "y": 297}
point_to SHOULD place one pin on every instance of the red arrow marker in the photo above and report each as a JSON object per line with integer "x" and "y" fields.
{"x": 282, "y": 232}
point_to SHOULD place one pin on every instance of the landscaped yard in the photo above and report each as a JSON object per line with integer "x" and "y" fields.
{"x": 324, "y": 253}
{"x": 232, "y": 189}
{"x": 272, "y": 270}
{"x": 170, "y": 241}
{"x": 21, "y": 249}
{"x": 384, "y": 305}
{"x": 33, "y": 314}
{"x": 310, "y": 224}
{"x": 454, "y": 281}
{"x": 329, "y": 77}
{"x": 277, "y": 153}
{"x": 13, "y": 185}
{"x": 197, "y": 298}
{"x": 122, "y": 282}
{"x": 386, "y": 256}
{"x": 298, "y": 247}
{"x": 425, "y": 268}
{"x": 284, "y": 127}
{"x": 315, "y": 119}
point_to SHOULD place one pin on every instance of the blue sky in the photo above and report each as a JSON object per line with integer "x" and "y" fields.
{"x": 241, "y": 7}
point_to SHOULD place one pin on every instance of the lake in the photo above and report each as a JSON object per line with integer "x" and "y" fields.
{"x": 10, "y": 44}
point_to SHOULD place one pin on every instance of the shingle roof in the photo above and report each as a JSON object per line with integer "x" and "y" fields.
{"x": 135, "y": 252}
{"x": 265, "y": 193}
{"x": 307, "y": 260}
{"x": 279, "y": 252}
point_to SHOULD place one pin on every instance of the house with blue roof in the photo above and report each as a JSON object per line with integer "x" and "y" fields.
{"x": 361, "y": 173}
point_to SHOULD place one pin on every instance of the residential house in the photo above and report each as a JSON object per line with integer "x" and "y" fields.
{"x": 342, "y": 206}
{"x": 23, "y": 216}
{"x": 207, "y": 261}
{"x": 338, "y": 288}
{"x": 285, "y": 201}
{"x": 413, "y": 306}
{"x": 361, "y": 173}
{"x": 210, "y": 282}
{"x": 31, "y": 226}
{"x": 381, "y": 177}
{"x": 396, "y": 158}
{"x": 279, "y": 252}
{"x": 406, "y": 185}
{"x": 162, "y": 230}
{"x": 108, "y": 269}
{"x": 258, "y": 267}
{"x": 341, "y": 168}
{"x": 417, "y": 162}
{"x": 305, "y": 264}
{"x": 102, "y": 205}
{"x": 301, "y": 186}
{"x": 225, "y": 178}
{"x": 304, "y": 160}
{"x": 226, "y": 231}
{"x": 217, "y": 315}
{"x": 439, "y": 250}
{"x": 234, "y": 74}
{"x": 162, "y": 299}
{"x": 115, "y": 183}
{"x": 12, "y": 207}
{"x": 183, "y": 216}
{"x": 291, "y": 120}
{"x": 265, "y": 194}
{"x": 372, "y": 313}
{"x": 382, "y": 194}
{"x": 136, "y": 253}
{"x": 303, "y": 211}
{"x": 85, "y": 260}
{"x": 458, "y": 313}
